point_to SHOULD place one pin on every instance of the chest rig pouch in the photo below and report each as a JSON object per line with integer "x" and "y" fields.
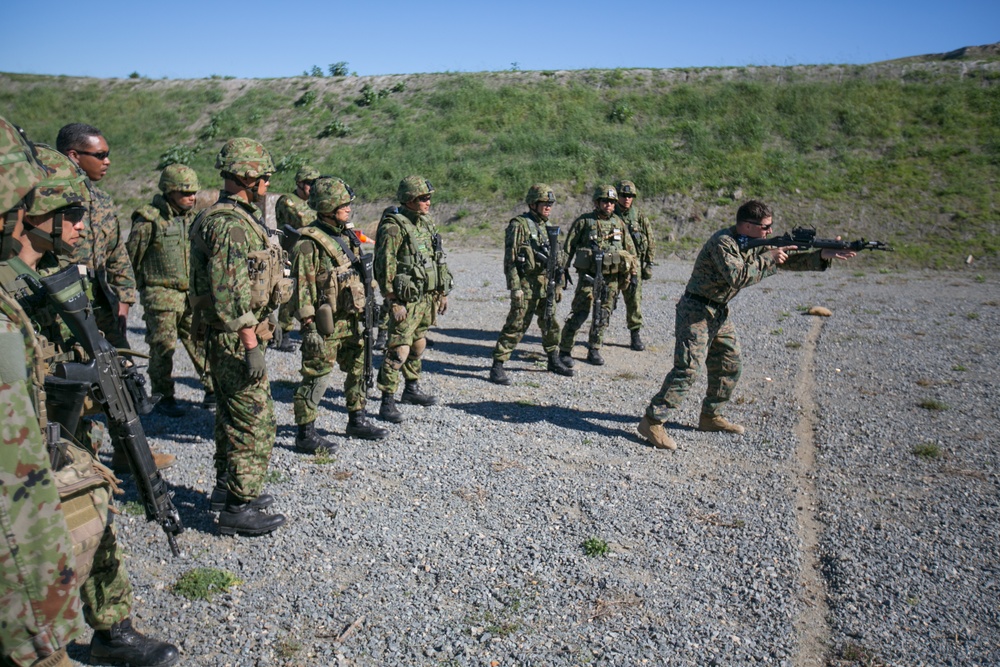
{"x": 416, "y": 274}
{"x": 342, "y": 291}
{"x": 85, "y": 488}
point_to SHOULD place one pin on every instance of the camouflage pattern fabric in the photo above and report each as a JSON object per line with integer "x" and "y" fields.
{"x": 702, "y": 328}
{"x": 609, "y": 234}
{"x": 159, "y": 250}
{"x": 525, "y": 235}
{"x": 420, "y": 316}
{"x": 345, "y": 346}
{"x": 641, "y": 231}
{"x": 40, "y": 606}
{"x": 245, "y": 427}
{"x": 292, "y": 210}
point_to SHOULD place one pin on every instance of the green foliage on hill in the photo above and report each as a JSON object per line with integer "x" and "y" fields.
{"x": 909, "y": 153}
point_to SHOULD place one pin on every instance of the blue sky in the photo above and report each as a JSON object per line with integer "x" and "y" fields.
{"x": 186, "y": 39}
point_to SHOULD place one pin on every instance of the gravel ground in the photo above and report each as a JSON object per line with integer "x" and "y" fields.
{"x": 818, "y": 538}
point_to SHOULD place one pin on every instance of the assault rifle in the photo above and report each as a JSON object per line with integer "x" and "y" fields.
{"x": 600, "y": 288}
{"x": 366, "y": 264}
{"x": 803, "y": 237}
{"x": 553, "y": 272}
{"x": 118, "y": 387}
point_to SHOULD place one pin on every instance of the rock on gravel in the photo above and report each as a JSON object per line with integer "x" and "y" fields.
{"x": 459, "y": 540}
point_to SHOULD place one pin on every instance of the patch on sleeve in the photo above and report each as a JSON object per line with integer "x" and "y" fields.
{"x": 238, "y": 235}
{"x": 391, "y": 230}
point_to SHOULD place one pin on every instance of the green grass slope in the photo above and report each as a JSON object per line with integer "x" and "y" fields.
{"x": 907, "y": 152}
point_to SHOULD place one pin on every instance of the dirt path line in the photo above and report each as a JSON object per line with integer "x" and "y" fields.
{"x": 811, "y": 624}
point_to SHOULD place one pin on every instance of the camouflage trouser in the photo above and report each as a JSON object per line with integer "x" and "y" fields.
{"x": 39, "y": 605}
{"x": 286, "y": 318}
{"x": 420, "y": 316}
{"x": 632, "y": 296}
{"x": 350, "y": 354}
{"x": 163, "y": 328}
{"x": 518, "y": 321}
{"x": 583, "y": 301}
{"x": 703, "y": 334}
{"x": 107, "y": 593}
{"x": 245, "y": 428}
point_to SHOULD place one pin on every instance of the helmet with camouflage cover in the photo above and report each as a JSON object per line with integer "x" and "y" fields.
{"x": 328, "y": 194}
{"x": 62, "y": 185}
{"x": 605, "y": 191}
{"x": 539, "y": 192}
{"x": 19, "y": 169}
{"x": 627, "y": 188}
{"x": 178, "y": 178}
{"x": 306, "y": 173}
{"x": 245, "y": 158}
{"x": 412, "y": 187}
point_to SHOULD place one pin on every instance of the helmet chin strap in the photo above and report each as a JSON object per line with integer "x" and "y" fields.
{"x": 53, "y": 238}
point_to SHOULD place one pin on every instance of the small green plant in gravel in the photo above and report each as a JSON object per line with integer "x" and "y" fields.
{"x": 202, "y": 583}
{"x": 323, "y": 457}
{"x": 933, "y": 404}
{"x": 927, "y": 450}
{"x": 959, "y": 368}
{"x": 793, "y": 345}
{"x": 777, "y": 332}
{"x": 133, "y": 508}
{"x": 858, "y": 654}
{"x": 276, "y": 477}
{"x": 288, "y": 647}
{"x": 595, "y": 546}
{"x": 972, "y": 316}
{"x": 626, "y": 375}
{"x": 335, "y": 128}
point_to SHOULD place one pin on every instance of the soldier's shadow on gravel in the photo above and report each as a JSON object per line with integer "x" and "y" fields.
{"x": 585, "y": 421}
{"x": 191, "y": 504}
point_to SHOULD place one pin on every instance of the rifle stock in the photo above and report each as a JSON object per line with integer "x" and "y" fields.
{"x": 120, "y": 394}
{"x": 366, "y": 264}
{"x": 553, "y": 272}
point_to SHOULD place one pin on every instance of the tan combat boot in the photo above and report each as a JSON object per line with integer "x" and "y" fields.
{"x": 719, "y": 423}
{"x": 656, "y": 434}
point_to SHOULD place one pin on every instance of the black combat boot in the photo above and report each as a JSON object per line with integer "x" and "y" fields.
{"x": 498, "y": 375}
{"x": 308, "y": 441}
{"x": 594, "y": 357}
{"x": 358, "y": 426}
{"x": 557, "y": 366}
{"x": 637, "y": 341}
{"x": 567, "y": 359}
{"x": 122, "y": 645}
{"x": 388, "y": 412}
{"x": 380, "y": 339}
{"x": 168, "y": 408}
{"x": 413, "y": 396}
{"x": 219, "y": 493}
{"x": 239, "y": 516}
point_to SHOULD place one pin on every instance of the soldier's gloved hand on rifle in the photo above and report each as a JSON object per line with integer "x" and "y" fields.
{"x": 558, "y": 294}
{"x": 398, "y": 312}
{"x": 443, "y": 304}
{"x": 516, "y": 297}
{"x": 647, "y": 271}
{"x": 312, "y": 341}
{"x": 254, "y": 359}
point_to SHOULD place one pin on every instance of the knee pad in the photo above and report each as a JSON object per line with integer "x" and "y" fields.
{"x": 396, "y": 356}
{"x": 418, "y": 347}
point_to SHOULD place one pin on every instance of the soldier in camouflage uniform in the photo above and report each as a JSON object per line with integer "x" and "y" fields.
{"x": 102, "y": 248}
{"x": 415, "y": 280}
{"x": 160, "y": 251}
{"x": 525, "y": 244}
{"x": 642, "y": 237}
{"x": 59, "y": 207}
{"x": 236, "y": 281}
{"x": 330, "y": 302}
{"x": 599, "y": 228}
{"x": 40, "y": 607}
{"x": 703, "y": 331}
{"x": 293, "y": 210}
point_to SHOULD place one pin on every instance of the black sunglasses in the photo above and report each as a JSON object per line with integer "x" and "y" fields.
{"x": 424, "y": 198}
{"x": 72, "y": 214}
{"x": 103, "y": 155}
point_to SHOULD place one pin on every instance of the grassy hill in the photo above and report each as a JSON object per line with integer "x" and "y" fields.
{"x": 906, "y": 151}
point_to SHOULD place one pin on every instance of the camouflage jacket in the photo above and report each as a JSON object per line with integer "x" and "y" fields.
{"x": 293, "y": 211}
{"x": 524, "y": 240}
{"x": 610, "y": 235}
{"x": 722, "y": 269}
{"x": 404, "y": 248}
{"x": 102, "y": 245}
{"x": 58, "y": 343}
{"x": 641, "y": 232}
{"x": 159, "y": 249}
{"x": 220, "y": 262}
{"x": 314, "y": 270}
{"x": 40, "y": 608}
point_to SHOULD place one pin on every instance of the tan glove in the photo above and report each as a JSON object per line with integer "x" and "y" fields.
{"x": 398, "y": 312}
{"x": 516, "y": 297}
{"x": 443, "y": 304}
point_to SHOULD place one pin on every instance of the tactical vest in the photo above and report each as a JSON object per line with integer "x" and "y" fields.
{"x": 419, "y": 268}
{"x": 631, "y": 219}
{"x": 527, "y": 253}
{"x": 166, "y": 262}
{"x": 609, "y": 236}
{"x": 341, "y": 288}
{"x": 55, "y": 337}
{"x": 269, "y": 287}
{"x": 85, "y": 486}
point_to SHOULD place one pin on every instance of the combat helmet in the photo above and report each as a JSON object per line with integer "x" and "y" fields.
{"x": 63, "y": 186}
{"x": 412, "y": 187}
{"x": 328, "y": 194}
{"x": 178, "y": 178}
{"x": 605, "y": 191}
{"x": 627, "y": 188}
{"x": 306, "y": 173}
{"x": 19, "y": 168}
{"x": 245, "y": 158}
{"x": 539, "y": 192}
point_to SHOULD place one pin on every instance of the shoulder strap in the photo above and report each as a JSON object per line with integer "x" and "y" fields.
{"x": 325, "y": 241}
